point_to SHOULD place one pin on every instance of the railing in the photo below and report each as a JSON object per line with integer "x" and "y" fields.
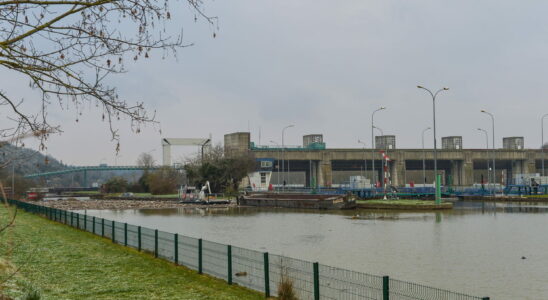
{"x": 256, "y": 270}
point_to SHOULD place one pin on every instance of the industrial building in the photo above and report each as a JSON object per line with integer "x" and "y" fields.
{"x": 315, "y": 164}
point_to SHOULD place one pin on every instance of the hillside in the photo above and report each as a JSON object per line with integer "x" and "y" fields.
{"x": 27, "y": 161}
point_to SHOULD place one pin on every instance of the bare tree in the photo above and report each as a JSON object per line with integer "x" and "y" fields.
{"x": 66, "y": 48}
{"x": 146, "y": 160}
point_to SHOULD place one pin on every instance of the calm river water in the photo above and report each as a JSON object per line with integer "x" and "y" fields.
{"x": 475, "y": 249}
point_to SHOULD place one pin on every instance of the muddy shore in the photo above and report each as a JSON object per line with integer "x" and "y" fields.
{"x": 120, "y": 204}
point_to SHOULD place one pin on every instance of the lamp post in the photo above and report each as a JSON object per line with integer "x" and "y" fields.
{"x": 424, "y": 158}
{"x": 434, "y": 126}
{"x": 542, "y": 143}
{"x": 493, "y": 146}
{"x": 384, "y": 162}
{"x": 283, "y": 153}
{"x": 278, "y": 165}
{"x": 364, "y": 158}
{"x": 373, "y": 144}
{"x": 487, "y": 147}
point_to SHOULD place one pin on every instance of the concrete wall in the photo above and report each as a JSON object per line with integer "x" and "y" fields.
{"x": 406, "y": 164}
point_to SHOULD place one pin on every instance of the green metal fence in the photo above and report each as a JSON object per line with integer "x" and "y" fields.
{"x": 253, "y": 269}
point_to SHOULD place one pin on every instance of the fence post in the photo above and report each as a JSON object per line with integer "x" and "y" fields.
{"x": 176, "y": 248}
{"x": 72, "y": 218}
{"x": 385, "y": 288}
{"x": 316, "y": 269}
{"x": 77, "y": 221}
{"x": 125, "y": 234}
{"x": 229, "y": 263}
{"x": 139, "y": 238}
{"x": 266, "y": 276}
{"x": 93, "y": 225}
{"x": 102, "y": 227}
{"x": 66, "y": 217}
{"x": 86, "y": 221}
{"x": 155, "y": 242}
{"x": 200, "y": 256}
{"x": 113, "y": 231}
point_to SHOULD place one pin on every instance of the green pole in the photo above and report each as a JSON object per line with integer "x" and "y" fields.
{"x": 156, "y": 243}
{"x": 72, "y": 219}
{"x": 125, "y": 234}
{"x": 438, "y": 189}
{"x": 229, "y": 263}
{"x": 266, "y": 275}
{"x": 102, "y": 227}
{"x": 176, "y": 248}
{"x": 93, "y": 225}
{"x": 200, "y": 256}
{"x": 85, "y": 222}
{"x": 139, "y": 238}
{"x": 316, "y": 269}
{"x": 113, "y": 232}
{"x": 77, "y": 220}
{"x": 386, "y": 287}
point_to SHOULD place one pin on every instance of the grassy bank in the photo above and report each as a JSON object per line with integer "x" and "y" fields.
{"x": 407, "y": 204}
{"x": 65, "y": 263}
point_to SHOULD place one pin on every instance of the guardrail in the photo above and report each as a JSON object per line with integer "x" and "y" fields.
{"x": 261, "y": 271}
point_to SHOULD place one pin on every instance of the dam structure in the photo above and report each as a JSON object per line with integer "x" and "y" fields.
{"x": 313, "y": 164}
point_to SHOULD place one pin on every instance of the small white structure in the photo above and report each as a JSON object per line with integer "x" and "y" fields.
{"x": 359, "y": 182}
{"x": 260, "y": 180}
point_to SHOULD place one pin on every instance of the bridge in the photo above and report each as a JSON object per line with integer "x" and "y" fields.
{"x": 85, "y": 169}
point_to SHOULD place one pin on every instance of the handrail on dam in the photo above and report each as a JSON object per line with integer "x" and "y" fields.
{"x": 261, "y": 271}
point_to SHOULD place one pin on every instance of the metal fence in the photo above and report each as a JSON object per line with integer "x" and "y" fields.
{"x": 256, "y": 270}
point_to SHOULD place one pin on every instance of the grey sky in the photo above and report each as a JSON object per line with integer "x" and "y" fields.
{"x": 325, "y": 66}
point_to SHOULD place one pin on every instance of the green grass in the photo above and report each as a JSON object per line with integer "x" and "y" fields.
{"x": 398, "y": 202}
{"x": 536, "y": 196}
{"x": 87, "y": 192}
{"x": 65, "y": 263}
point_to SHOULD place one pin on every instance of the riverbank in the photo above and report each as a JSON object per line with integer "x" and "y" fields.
{"x": 70, "y": 204}
{"x": 403, "y": 204}
{"x": 64, "y": 263}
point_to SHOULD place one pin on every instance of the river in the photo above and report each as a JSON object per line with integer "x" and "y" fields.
{"x": 481, "y": 249}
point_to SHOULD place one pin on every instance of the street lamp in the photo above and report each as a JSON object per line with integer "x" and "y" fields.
{"x": 435, "y": 144}
{"x": 493, "y": 146}
{"x": 373, "y": 144}
{"x": 283, "y": 153}
{"x": 424, "y": 158}
{"x": 278, "y": 165}
{"x": 542, "y": 143}
{"x": 364, "y": 158}
{"x": 487, "y": 147}
{"x": 380, "y": 130}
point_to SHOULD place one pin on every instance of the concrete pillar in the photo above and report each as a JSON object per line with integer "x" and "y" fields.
{"x": 516, "y": 169}
{"x": 325, "y": 173}
{"x": 397, "y": 171}
{"x": 456, "y": 172}
{"x": 467, "y": 170}
{"x": 530, "y": 164}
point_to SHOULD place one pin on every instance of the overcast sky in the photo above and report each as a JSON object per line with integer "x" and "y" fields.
{"x": 324, "y": 66}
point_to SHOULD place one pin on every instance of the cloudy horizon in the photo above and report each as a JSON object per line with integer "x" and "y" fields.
{"x": 325, "y": 67}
